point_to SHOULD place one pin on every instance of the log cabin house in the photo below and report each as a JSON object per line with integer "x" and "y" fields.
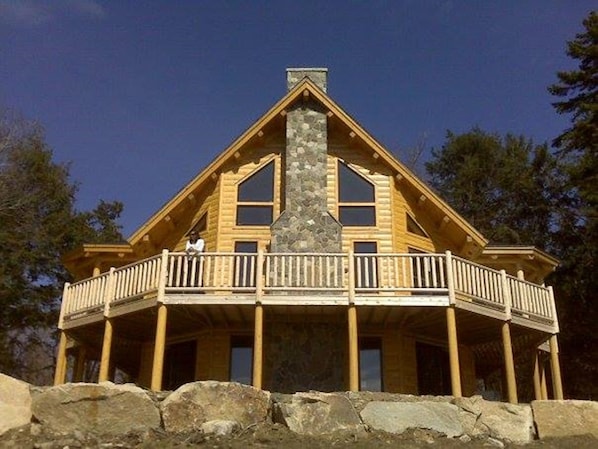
{"x": 328, "y": 266}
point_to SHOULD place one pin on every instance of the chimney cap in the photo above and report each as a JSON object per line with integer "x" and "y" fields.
{"x": 318, "y": 75}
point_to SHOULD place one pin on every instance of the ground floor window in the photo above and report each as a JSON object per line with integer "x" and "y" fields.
{"x": 433, "y": 370}
{"x": 179, "y": 364}
{"x": 370, "y": 364}
{"x": 241, "y": 359}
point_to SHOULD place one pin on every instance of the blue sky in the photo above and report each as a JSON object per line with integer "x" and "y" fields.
{"x": 140, "y": 96}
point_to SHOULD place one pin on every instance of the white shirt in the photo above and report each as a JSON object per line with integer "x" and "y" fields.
{"x": 196, "y": 247}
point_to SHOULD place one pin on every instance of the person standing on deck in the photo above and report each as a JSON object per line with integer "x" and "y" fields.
{"x": 194, "y": 247}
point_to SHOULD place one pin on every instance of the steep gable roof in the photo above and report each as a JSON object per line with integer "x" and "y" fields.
{"x": 306, "y": 88}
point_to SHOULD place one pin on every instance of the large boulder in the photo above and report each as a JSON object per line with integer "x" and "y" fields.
{"x": 565, "y": 418}
{"x": 101, "y": 409}
{"x": 317, "y": 414}
{"x": 397, "y": 417}
{"x": 193, "y": 404}
{"x": 500, "y": 420}
{"x": 15, "y": 403}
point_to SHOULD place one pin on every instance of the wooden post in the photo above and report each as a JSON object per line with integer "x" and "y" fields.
{"x": 450, "y": 278}
{"x": 60, "y": 373}
{"x": 353, "y": 349}
{"x": 537, "y": 379}
{"x": 159, "y": 348}
{"x": 258, "y": 344}
{"x": 106, "y": 348}
{"x": 453, "y": 344}
{"x": 509, "y": 364}
{"x": 79, "y": 373}
{"x": 557, "y": 384}
{"x": 543, "y": 386}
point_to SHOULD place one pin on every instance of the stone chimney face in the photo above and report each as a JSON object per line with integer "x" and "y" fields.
{"x": 317, "y": 75}
{"x": 306, "y": 225}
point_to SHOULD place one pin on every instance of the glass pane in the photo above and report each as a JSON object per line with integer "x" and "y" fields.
{"x": 357, "y": 215}
{"x": 254, "y": 215}
{"x": 352, "y": 187}
{"x": 244, "y": 274}
{"x": 370, "y": 364}
{"x": 179, "y": 364}
{"x": 366, "y": 267}
{"x": 259, "y": 187}
{"x": 241, "y": 359}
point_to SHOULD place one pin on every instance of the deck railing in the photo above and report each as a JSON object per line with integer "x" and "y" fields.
{"x": 347, "y": 275}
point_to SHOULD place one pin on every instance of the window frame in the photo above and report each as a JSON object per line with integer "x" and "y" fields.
{"x": 353, "y": 205}
{"x": 248, "y": 205}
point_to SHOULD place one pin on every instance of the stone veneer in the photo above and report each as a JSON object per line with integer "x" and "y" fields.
{"x": 305, "y": 224}
{"x": 317, "y": 75}
{"x": 305, "y": 356}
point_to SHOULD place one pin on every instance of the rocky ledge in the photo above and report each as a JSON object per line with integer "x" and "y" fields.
{"x": 225, "y": 408}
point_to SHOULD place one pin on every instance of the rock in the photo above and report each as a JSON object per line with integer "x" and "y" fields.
{"x": 196, "y": 403}
{"x": 101, "y": 409}
{"x": 500, "y": 420}
{"x": 397, "y": 417}
{"x": 493, "y": 442}
{"x": 220, "y": 427}
{"x": 15, "y": 403}
{"x": 318, "y": 414}
{"x": 565, "y": 418}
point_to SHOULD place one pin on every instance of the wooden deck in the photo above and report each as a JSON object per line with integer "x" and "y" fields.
{"x": 306, "y": 280}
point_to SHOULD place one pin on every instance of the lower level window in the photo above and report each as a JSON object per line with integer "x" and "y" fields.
{"x": 370, "y": 364}
{"x": 241, "y": 359}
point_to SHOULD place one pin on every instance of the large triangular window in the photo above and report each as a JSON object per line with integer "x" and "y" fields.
{"x": 255, "y": 198}
{"x": 356, "y": 198}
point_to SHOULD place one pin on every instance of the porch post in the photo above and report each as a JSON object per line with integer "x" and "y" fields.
{"x": 509, "y": 364}
{"x": 258, "y": 342}
{"x": 106, "y": 349}
{"x": 159, "y": 347}
{"x": 543, "y": 386}
{"x": 60, "y": 373}
{"x": 453, "y": 344}
{"x": 557, "y": 384}
{"x": 537, "y": 381}
{"x": 353, "y": 349}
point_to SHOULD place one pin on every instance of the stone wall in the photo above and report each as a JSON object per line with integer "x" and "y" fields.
{"x": 305, "y": 356}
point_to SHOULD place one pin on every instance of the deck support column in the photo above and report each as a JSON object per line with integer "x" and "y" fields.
{"x": 543, "y": 386}
{"x": 453, "y": 346}
{"x": 509, "y": 363}
{"x": 557, "y": 384}
{"x": 537, "y": 378}
{"x": 106, "y": 349}
{"x": 80, "y": 360}
{"x": 353, "y": 349}
{"x": 159, "y": 348}
{"x": 60, "y": 373}
{"x": 258, "y": 347}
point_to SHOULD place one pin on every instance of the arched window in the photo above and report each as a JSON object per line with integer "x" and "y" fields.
{"x": 255, "y": 198}
{"x": 357, "y": 198}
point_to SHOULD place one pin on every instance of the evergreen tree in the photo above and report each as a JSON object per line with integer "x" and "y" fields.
{"x": 38, "y": 223}
{"x": 507, "y": 187}
{"x": 576, "y": 281}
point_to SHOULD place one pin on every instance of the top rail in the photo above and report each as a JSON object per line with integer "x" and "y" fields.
{"x": 351, "y": 275}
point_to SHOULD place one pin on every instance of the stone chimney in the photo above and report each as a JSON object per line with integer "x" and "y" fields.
{"x": 305, "y": 224}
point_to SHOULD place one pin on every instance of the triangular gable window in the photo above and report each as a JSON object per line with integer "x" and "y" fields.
{"x": 357, "y": 198}
{"x": 414, "y": 227}
{"x": 255, "y": 198}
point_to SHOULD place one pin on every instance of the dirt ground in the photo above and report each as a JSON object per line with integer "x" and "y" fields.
{"x": 276, "y": 436}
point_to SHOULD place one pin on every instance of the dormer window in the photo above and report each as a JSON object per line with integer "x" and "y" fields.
{"x": 356, "y": 198}
{"x": 255, "y": 198}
